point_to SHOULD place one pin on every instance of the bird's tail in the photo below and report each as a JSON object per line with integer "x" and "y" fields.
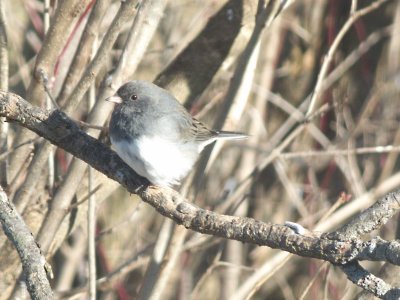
{"x": 230, "y": 135}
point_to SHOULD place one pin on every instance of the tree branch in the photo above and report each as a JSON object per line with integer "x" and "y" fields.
{"x": 60, "y": 130}
{"x": 370, "y": 282}
{"x": 33, "y": 262}
{"x": 370, "y": 219}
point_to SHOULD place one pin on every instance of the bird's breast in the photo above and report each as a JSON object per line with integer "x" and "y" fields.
{"x": 161, "y": 161}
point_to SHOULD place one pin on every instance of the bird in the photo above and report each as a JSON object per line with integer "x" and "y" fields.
{"x": 153, "y": 133}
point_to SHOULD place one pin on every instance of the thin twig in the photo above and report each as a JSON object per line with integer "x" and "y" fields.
{"x": 84, "y": 199}
{"x": 315, "y": 277}
{"x": 353, "y": 8}
{"x": 359, "y": 151}
{"x": 124, "y": 222}
{"x": 333, "y": 48}
{"x": 106, "y": 281}
{"x": 45, "y": 80}
{"x": 276, "y": 265}
{"x": 7, "y": 153}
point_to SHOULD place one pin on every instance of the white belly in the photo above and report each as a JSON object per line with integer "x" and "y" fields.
{"x": 160, "y": 161}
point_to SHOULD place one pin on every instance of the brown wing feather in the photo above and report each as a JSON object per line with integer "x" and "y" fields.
{"x": 200, "y": 132}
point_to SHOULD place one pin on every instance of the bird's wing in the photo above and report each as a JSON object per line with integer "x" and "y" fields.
{"x": 200, "y": 132}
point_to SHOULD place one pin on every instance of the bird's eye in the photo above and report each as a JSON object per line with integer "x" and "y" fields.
{"x": 134, "y": 97}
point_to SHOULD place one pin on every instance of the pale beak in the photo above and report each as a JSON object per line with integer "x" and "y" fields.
{"x": 115, "y": 99}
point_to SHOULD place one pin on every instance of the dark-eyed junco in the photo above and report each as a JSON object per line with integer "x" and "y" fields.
{"x": 155, "y": 135}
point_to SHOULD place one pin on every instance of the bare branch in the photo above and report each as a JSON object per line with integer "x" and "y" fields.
{"x": 370, "y": 282}
{"x": 33, "y": 262}
{"x": 371, "y": 219}
{"x": 63, "y": 132}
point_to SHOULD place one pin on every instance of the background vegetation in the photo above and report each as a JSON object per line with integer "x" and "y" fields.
{"x": 314, "y": 83}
